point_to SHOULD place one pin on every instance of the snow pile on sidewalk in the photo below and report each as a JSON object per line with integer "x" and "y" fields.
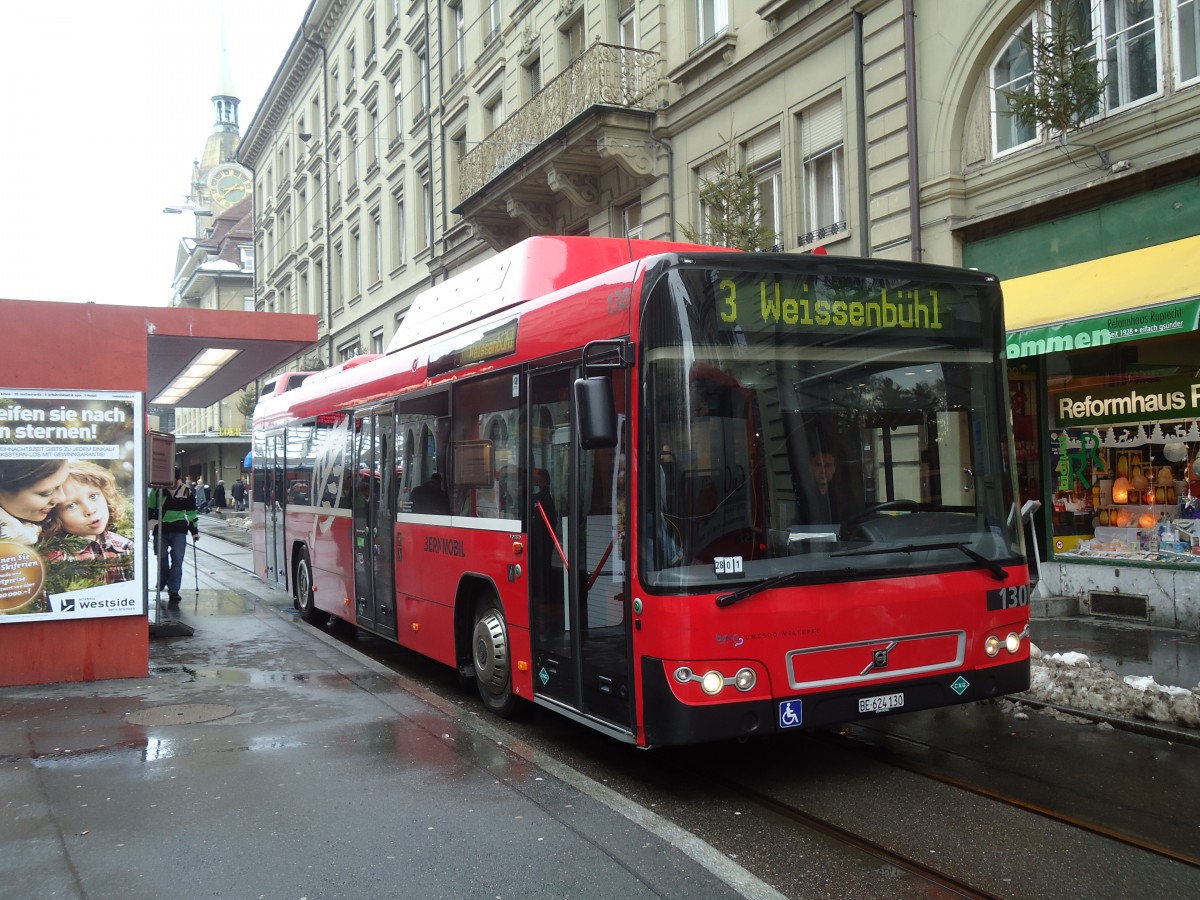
{"x": 1071, "y": 679}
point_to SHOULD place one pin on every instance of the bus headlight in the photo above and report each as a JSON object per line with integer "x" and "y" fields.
{"x": 1012, "y": 643}
{"x": 712, "y": 683}
{"x": 745, "y": 679}
{"x": 992, "y": 645}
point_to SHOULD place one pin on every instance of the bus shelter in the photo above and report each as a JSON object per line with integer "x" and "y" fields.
{"x": 77, "y": 384}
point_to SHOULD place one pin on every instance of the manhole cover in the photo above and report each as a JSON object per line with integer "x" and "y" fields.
{"x": 181, "y": 714}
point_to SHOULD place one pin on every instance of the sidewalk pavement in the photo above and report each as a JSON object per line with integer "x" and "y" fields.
{"x": 262, "y": 758}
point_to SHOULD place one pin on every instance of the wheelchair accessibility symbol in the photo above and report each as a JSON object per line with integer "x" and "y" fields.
{"x": 791, "y": 713}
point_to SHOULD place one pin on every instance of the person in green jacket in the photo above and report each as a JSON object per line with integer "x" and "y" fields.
{"x": 172, "y": 524}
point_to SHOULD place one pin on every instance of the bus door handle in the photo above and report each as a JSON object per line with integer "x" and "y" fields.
{"x": 969, "y": 481}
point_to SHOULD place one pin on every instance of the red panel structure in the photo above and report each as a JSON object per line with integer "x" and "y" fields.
{"x": 88, "y": 346}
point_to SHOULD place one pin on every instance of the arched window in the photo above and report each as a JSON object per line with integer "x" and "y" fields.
{"x": 1012, "y": 73}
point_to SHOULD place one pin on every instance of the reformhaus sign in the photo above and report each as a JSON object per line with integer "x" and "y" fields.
{"x": 1163, "y": 400}
{"x": 1113, "y": 328}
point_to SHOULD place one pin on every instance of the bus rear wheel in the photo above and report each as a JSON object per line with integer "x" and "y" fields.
{"x": 304, "y": 593}
{"x": 492, "y": 659}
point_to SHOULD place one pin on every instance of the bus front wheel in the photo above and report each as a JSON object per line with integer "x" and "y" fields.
{"x": 492, "y": 659}
{"x": 304, "y": 593}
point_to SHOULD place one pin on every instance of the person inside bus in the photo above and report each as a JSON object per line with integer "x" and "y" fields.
{"x": 825, "y": 500}
{"x": 430, "y": 497}
{"x": 543, "y": 496}
{"x": 506, "y": 501}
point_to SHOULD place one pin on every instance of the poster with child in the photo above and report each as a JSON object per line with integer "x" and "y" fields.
{"x": 71, "y": 502}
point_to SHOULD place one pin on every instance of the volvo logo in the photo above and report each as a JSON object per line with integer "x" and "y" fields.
{"x": 879, "y": 658}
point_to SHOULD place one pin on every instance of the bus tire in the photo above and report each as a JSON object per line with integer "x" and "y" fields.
{"x": 304, "y": 593}
{"x": 492, "y": 659}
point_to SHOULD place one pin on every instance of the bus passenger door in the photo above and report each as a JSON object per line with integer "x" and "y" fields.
{"x": 599, "y": 540}
{"x": 275, "y": 543}
{"x": 375, "y": 520}
{"x": 580, "y": 632}
{"x": 551, "y": 616}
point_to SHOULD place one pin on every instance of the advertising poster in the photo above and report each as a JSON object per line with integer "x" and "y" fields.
{"x": 71, "y": 505}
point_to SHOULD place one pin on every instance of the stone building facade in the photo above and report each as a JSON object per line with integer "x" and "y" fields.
{"x": 401, "y": 142}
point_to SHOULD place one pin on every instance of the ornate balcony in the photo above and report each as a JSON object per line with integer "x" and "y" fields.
{"x": 591, "y": 119}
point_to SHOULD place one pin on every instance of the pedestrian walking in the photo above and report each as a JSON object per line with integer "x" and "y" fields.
{"x": 219, "y": 501}
{"x": 239, "y": 495}
{"x": 200, "y": 492}
{"x": 172, "y": 523}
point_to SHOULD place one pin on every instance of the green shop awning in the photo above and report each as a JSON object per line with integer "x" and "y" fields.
{"x": 1111, "y": 328}
{"x": 1144, "y": 293}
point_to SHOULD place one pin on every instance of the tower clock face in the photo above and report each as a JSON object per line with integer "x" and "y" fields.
{"x": 229, "y": 184}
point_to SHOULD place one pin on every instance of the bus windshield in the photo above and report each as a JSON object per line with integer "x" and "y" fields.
{"x": 826, "y": 426}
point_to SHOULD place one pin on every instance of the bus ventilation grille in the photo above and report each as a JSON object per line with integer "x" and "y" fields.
{"x": 1127, "y": 606}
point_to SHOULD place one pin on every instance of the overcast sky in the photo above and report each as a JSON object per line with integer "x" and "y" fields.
{"x": 106, "y": 103}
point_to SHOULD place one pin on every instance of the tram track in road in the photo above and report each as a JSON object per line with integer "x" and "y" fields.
{"x": 942, "y": 881}
{"x": 227, "y": 551}
{"x": 856, "y": 735}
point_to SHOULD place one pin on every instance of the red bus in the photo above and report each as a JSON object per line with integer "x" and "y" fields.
{"x": 675, "y": 493}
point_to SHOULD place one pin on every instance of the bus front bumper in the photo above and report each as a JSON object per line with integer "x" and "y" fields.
{"x": 668, "y": 721}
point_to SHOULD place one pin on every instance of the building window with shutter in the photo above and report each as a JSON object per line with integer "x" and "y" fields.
{"x": 822, "y": 153}
{"x": 764, "y": 161}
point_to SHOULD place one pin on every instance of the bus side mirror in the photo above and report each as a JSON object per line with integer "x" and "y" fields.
{"x": 595, "y": 414}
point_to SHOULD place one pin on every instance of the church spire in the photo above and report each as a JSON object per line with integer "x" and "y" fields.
{"x": 225, "y": 101}
{"x": 226, "y": 134}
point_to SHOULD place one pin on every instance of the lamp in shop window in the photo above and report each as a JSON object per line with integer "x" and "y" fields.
{"x": 1120, "y": 490}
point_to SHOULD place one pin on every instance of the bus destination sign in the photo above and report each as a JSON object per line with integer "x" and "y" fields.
{"x": 473, "y": 348}
{"x": 766, "y": 303}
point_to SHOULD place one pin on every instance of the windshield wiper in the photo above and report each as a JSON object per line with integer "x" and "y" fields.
{"x": 993, "y": 567}
{"x": 788, "y": 578}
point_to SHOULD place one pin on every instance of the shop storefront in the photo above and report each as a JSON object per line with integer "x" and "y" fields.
{"x": 1104, "y": 363}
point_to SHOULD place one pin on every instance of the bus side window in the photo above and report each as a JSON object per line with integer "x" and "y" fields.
{"x": 422, "y": 431}
{"x": 487, "y": 448}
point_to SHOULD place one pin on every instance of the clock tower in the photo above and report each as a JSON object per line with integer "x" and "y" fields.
{"x": 218, "y": 182}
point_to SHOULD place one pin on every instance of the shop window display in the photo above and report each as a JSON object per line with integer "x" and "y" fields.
{"x": 1126, "y": 469}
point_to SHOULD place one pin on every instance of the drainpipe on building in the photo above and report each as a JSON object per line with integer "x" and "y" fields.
{"x": 666, "y": 144}
{"x": 860, "y": 124}
{"x": 429, "y": 128}
{"x": 442, "y": 130}
{"x": 325, "y": 164}
{"x": 910, "y": 108}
